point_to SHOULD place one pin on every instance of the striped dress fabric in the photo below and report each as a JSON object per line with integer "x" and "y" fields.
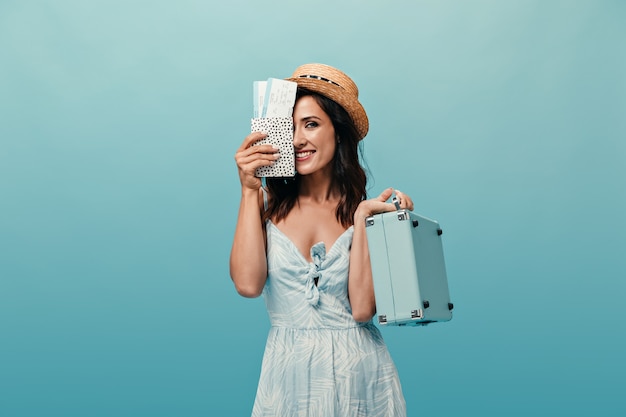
{"x": 318, "y": 361}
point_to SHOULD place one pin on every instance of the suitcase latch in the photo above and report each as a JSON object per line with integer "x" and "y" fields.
{"x": 417, "y": 314}
{"x": 403, "y": 215}
{"x": 382, "y": 319}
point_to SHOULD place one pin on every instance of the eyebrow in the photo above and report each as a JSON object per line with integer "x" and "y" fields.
{"x": 310, "y": 117}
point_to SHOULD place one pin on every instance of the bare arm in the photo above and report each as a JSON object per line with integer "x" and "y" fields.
{"x": 360, "y": 283}
{"x": 248, "y": 261}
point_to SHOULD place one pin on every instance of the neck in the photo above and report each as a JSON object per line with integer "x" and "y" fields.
{"x": 318, "y": 187}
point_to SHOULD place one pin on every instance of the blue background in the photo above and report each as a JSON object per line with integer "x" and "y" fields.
{"x": 119, "y": 120}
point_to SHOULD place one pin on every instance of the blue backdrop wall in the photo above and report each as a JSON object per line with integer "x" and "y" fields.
{"x": 119, "y": 120}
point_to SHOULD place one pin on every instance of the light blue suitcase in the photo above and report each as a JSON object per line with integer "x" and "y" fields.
{"x": 408, "y": 268}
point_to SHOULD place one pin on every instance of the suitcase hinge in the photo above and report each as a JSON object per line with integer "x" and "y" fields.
{"x": 382, "y": 319}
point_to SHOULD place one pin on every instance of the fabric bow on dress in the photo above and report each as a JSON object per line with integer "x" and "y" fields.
{"x": 318, "y": 254}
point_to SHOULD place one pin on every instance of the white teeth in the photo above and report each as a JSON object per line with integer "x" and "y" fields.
{"x": 303, "y": 154}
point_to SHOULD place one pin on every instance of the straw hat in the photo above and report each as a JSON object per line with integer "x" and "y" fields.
{"x": 335, "y": 85}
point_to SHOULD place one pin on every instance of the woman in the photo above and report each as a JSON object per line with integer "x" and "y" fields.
{"x": 302, "y": 244}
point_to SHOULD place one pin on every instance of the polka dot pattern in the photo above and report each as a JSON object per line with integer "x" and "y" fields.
{"x": 279, "y": 132}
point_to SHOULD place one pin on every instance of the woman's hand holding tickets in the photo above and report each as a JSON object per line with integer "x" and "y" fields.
{"x": 249, "y": 157}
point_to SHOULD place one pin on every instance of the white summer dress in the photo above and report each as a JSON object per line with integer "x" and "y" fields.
{"x": 318, "y": 361}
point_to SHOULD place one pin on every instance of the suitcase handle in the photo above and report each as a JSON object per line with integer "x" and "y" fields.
{"x": 396, "y": 202}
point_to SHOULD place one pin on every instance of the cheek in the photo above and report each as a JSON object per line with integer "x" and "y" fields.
{"x": 329, "y": 145}
{"x": 330, "y": 141}
{"x": 331, "y": 151}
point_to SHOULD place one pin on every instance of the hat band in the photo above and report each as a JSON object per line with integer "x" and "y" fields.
{"x": 317, "y": 77}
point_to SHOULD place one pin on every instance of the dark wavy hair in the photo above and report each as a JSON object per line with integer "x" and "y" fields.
{"x": 348, "y": 175}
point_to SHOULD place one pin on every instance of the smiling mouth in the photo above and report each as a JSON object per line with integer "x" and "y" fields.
{"x": 301, "y": 155}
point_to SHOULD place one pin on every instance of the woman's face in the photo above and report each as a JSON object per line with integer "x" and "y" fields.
{"x": 313, "y": 137}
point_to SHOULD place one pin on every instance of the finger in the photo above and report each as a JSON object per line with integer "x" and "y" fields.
{"x": 266, "y": 152}
{"x": 251, "y": 139}
{"x": 253, "y": 161}
{"x": 261, "y": 150}
{"x": 404, "y": 200}
{"x": 384, "y": 196}
{"x": 376, "y": 206}
{"x": 251, "y": 168}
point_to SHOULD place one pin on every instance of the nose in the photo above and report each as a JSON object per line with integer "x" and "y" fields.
{"x": 298, "y": 138}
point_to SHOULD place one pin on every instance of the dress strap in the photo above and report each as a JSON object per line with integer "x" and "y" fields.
{"x": 264, "y": 189}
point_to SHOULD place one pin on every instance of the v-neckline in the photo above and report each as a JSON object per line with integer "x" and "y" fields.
{"x": 304, "y": 258}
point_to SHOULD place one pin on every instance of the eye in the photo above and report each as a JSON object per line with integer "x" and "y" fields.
{"x": 310, "y": 124}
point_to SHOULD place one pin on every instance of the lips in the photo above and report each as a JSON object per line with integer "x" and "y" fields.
{"x": 304, "y": 154}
